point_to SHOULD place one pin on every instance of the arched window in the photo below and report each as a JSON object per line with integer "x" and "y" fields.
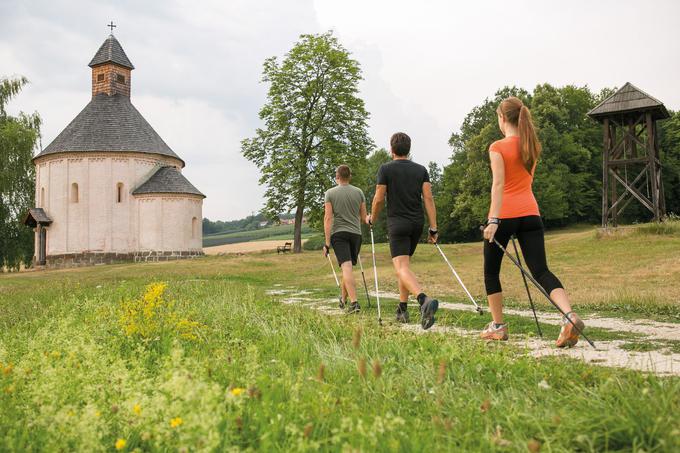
{"x": 194, "y": 228}
{"x": 119, "y": 192}
{"x": 74, "y": 193}
{"x": 42, "y": 197}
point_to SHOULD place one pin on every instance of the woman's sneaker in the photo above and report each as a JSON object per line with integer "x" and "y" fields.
{"x": 342, "y": 303}
{"x": 568, "y": 334}
{"x": 495, "y": 332}
{"x": 354, "y": 307}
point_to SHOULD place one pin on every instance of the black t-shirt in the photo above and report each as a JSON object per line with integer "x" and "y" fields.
{"x": 404, "y": 180}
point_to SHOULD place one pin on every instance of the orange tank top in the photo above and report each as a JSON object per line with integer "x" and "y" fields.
{"x": 518, "y": 198}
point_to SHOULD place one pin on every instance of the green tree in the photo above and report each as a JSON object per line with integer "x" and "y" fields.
{"x": 435, "y": 173}
{"x": 313, "y": 121}
{"x": 366, "y": 179}
{"x": 18, "y": 138}
{"x": 669, "y": 151}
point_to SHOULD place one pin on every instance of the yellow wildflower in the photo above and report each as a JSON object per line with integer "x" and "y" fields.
{"x": 97, "y": 414}
{"x": 137, "y": 409}
{"x": 8, "y": 369}
{"x": 236, "y": 391}
{"x": 120, "y": 444}
{"x": 175, "y": 422}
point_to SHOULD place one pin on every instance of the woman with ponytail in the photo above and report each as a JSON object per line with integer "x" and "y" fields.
{"x": 514, "y": 211}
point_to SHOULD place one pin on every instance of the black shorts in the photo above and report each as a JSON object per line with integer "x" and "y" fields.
{"x": 404, "y": 236}
{"x": 346, "y": 246}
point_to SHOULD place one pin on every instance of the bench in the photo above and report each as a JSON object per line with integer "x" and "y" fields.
{"x": 284, "y": 248}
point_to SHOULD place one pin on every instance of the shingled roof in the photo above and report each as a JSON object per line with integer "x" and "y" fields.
{"x": 36, "y": 216}
{"x": 109, "y": 123}
{"x": 628, "y": 99}
{"x": 167, "y": 180}
{"x": 111, "y": 52}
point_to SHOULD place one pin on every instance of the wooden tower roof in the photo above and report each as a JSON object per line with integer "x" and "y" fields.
{"x": 629, "y": 99}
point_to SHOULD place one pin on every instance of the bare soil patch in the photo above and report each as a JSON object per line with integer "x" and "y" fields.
{"x": 245, "y": 247}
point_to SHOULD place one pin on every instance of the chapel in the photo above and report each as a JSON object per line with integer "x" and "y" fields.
{"x": 108, "y": 188}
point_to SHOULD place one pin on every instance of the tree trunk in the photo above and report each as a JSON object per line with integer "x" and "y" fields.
{"x": 297, "y": 235}
{"x": 297, "y": 231}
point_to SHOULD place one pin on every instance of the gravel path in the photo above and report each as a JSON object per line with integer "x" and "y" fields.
{"x": 608, "y": 353}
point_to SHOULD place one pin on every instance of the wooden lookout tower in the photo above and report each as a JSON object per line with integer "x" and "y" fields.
{"x": 630, "y": 167}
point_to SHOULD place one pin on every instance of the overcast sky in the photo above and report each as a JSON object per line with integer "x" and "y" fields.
{"x": 426, "y": 64}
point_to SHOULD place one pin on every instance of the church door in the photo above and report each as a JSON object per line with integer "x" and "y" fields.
{"x": 42, "y": 245}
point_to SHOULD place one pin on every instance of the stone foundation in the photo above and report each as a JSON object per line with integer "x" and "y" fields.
{"x": 94, "y": 258}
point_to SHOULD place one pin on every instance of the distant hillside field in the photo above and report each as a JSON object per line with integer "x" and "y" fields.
{"x": 282, "y": 232}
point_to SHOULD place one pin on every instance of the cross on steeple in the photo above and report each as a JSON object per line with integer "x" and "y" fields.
{"x": 111, "y": 26}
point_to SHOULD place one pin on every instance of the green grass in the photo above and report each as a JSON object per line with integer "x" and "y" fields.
{"x": 286, "y": 237}
{"x": 76, "y": 378}
{"x": 269, "y": 233}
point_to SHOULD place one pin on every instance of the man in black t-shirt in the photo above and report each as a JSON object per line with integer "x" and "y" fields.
{"x": 406, "y": 185}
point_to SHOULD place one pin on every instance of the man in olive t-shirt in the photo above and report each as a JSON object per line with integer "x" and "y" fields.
{"x": 344, "y": 209}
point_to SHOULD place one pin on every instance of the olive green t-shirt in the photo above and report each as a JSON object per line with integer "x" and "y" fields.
{"x": 346, "y": 202}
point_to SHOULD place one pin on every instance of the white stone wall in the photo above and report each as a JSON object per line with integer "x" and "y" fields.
{"x": 97, "y": 222}
{"x": 165, "y": 222}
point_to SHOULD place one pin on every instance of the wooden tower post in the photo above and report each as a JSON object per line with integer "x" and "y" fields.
{"x": 631, "y": 153}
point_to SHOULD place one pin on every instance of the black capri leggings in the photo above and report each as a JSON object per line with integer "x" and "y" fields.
{"x": 529, "y": 233}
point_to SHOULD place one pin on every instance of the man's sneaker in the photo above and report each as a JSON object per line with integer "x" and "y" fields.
{"x": 342, "y": 303}
{"x": 568, "y": 334}
{"x": 354, "y": 307}
{"x": 402, "y": 316}
{"x": 493, "y": 332}
{"x": 427, "y": 311}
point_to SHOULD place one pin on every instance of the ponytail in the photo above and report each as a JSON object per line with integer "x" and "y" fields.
{"x": 529, "y": 145}
{"x": 515, "y": 112}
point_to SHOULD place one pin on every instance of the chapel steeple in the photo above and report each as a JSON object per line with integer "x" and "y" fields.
{"x": 111, "y": 69}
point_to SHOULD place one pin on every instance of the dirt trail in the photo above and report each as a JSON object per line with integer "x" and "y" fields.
{"x": 608, "y": 353}
{"x": 652, "y": 330}
{"x": 246, "y": 247}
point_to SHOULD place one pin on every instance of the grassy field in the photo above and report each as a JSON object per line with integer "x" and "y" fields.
{"x": 109, "y": 358}
{"x": 283, "y": 232}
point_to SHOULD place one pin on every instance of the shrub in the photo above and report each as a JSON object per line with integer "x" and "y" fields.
{"x": 669, "y": 227}
{"x": 315, "y": 242}
{"x": 152, "y": 317}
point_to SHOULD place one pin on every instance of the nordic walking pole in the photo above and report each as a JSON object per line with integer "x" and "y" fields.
{"x": 337, "y": 282}
{"x": 364, "y": 278}
{"x": 477, "y": 307}
{"x": 540, "y": 288}
{"x": 526, "y": 285}
{"x": 375, "y": 275}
